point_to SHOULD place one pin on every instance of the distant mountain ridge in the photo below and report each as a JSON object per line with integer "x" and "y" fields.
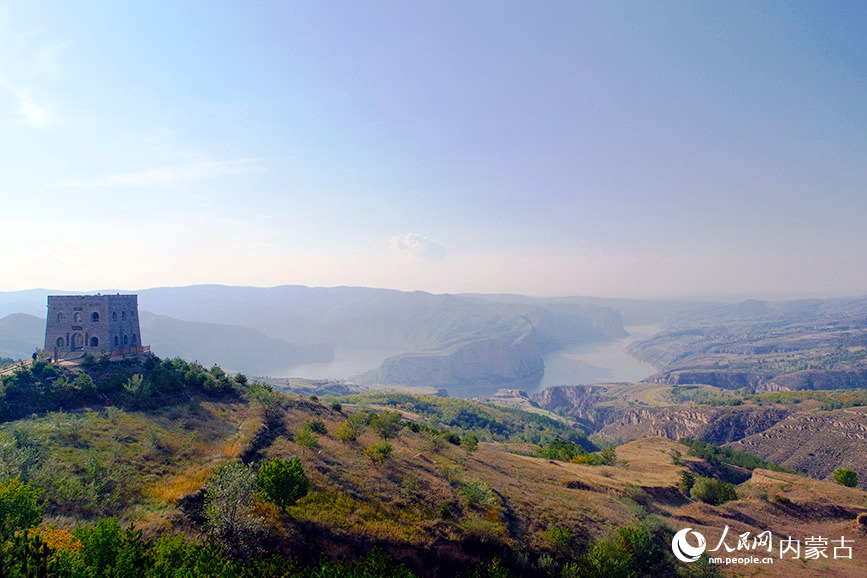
{"x": 459, "y": 340}
{"x": 237, "y": 348}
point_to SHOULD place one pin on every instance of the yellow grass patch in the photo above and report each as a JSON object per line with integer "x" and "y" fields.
{"x": 173, "y": 488}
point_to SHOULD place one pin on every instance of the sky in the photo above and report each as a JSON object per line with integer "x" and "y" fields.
{"x": 622, "y": 149}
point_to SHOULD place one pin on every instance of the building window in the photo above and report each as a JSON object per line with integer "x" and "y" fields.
{"x": 59, "y": 342}
{"x": 125, "y": 340}
{"x": 94, "y": 341}
{"x": 133, "y": 340}
{"x": 94, "y": 317}
{"x": 60, "y": 317}
{"x": 123, "y": 316}
{"x": 114, "y": 316}
{"x": 77, "y": 317}
{"x": 115, "y": 341}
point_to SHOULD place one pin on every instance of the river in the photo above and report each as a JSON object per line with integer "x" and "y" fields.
{"x": 604, "y": 362}
{"x": 347, "y": 363}
{"x": 574, "y": 365}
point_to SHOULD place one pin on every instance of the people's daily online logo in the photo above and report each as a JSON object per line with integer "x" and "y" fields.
{"x": 683, "y": 550}
{"x": 814, "y": 547}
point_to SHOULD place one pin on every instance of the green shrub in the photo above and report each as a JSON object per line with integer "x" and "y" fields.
{"x": 317, "y": 426}
{"x": 452, "y": 438}
{"x": 271, "y": 402}
{"x": 228, "y": 508}
{"x": 711, "y": 491}
{"x": 470, "y": 443}
{"x": 477, "y": 493}
{"x": 85, "y": 384}
{"x": 19, "y": 509}
{"x": 561, "y": 450}
{"x": 305, "y": 438}
{"x": 282, "y": 482}
{"x": 687, "y": 479}
{"x": 559, "y": 539}
{"x": 482, "y": 529}
{"x": 434, "y": 442}
{"x": 349, "y": 429}
{"x": 378, "y": 453}
{"x": 721, "y": 455}
{"x": 636, "y": 550}
{"x": 846, "y": 477}
{"x": 387, "y": 424}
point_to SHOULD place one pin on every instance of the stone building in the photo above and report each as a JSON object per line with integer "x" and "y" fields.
{"x": 92, "y": 324}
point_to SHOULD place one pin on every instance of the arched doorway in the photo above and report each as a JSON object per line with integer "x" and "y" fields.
{"x": 77, "y": 342}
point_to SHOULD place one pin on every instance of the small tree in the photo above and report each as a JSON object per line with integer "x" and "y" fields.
{"x": 378, "y": 453}
{"x": 282, "y": 482}
{"x": 608, "y": 455}
{"x": 387, "y": 424}
{"x": 712, "y": 491}
{"x": 559, "y": 539}
{"x": 18, "y": 508}
{"x": 434, "y": 442}
{"x": 687, "y": 479}
{"x": 349, "y": 429}
{"x": 272, "y": 403}
{"x": 470, "y": 443}
{"x": 228, "y": 507}
{"x": 848, "y": 478}
{"x": 84, "y": 383}
{"x": 316, "y": 426}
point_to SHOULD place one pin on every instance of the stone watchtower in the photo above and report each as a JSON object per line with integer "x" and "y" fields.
{"x": 92, "y": 324}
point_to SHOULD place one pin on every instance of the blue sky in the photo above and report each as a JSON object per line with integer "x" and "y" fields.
{"x": 613, "y": 149}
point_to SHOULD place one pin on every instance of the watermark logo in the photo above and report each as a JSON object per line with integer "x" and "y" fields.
{"x": 684, "y": 550}
{"x": 746, "y": 546}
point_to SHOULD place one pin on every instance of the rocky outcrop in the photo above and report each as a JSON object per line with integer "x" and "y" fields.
{"x": 819, "y": 379}
{"x": 582, "y": 402}
{"x": 670, "y": 422}
{"x": 731, "y": 424}
{"x": 811, "y": 379}
{"x": 719, "y": 425}
{"x": 815, "y": 442}
{"x": 721, "y": 379}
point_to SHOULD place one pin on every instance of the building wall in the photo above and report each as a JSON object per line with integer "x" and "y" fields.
{"x": 92, "y": 323}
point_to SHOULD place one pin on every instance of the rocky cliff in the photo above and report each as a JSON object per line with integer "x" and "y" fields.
{"x": 815, "y": 442}
{"x": 722, "y": 379}
{"x": 717, "y": 425}
{"x": 583, "y": 403}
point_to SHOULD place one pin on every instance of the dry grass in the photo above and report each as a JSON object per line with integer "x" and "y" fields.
{"x": 419, "y": 497}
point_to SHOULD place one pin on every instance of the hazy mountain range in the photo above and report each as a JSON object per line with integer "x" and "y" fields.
{"x": 445, "y": 340}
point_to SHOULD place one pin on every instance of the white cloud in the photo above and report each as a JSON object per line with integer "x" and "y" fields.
{"x": 32, "y": 113}
{"x": 417, "y": 247}
{"x": 169, "y": 175}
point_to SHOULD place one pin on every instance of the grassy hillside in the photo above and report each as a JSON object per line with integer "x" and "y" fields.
{"x": 441, "y": 486}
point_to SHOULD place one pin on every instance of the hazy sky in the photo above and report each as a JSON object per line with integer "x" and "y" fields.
{"x": 613, "y": 149}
